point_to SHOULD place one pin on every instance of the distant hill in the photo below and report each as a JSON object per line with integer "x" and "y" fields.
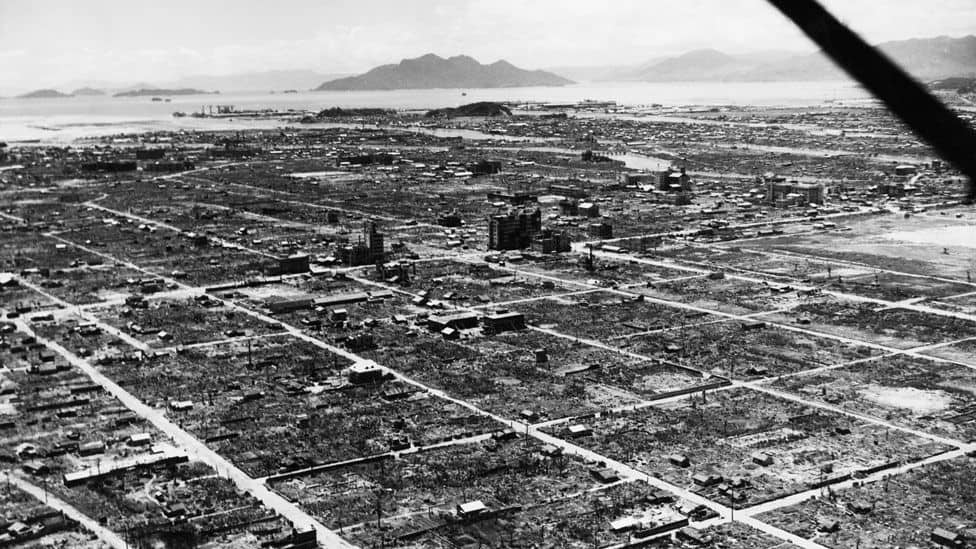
{"x": 160, "y": 92}
{"x": 87, "y": 92}
{"x": 940, "y": 57}
{"x": 690, "y": 66}
{"x": 337, "y": 112}
{"x": 961, "y": 84}
{"x": 43, "y": 94}
{"x": 432, "y": 71}
{"x": 481, "y": 108}
{"x": 924, "y": 58}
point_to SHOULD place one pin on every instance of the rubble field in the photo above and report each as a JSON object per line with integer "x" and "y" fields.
{"x": 581, "y": 325}
{"x": 937, "y": 397}
{"x": 898, "y": 511}
{"x": 743, "y": 448}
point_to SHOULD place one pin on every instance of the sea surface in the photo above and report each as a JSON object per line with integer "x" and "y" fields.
{"x": 66, "y": 119}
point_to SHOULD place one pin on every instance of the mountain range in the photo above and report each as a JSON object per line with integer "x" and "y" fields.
{"x": 45, "y": 93}
{"x": 258, "y": 82}
{"x": 432, "y": 71}
{"x": 924, "y": 58}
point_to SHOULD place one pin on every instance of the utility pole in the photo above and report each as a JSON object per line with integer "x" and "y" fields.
{"x": 732, "y": 502}
{"x": 125, "y": 531}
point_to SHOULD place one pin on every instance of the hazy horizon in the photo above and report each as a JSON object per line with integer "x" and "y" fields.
{"x": 57, "y": 43}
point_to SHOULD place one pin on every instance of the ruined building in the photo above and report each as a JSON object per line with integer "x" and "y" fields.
{"x": 569, "y": 206}
{"x": 369, "y": 249}
{"x": 551, "y": 241}
{"x": 782, "y": 193}
{"x": 293, "y": 264}
{"x": 150, "y": 154}
{"x": 601, "y": 230}
{"x": 671, "y": 180}
{"x": 452, "y": 219}
{"x": 514, "y": 230}
{"x": 515, "y": 198}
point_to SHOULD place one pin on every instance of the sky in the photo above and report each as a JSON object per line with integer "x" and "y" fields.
{"x": 52, "y": 43}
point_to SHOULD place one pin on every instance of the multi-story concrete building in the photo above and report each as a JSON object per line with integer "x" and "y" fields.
{"x": 514, "y": 230}
{"x": 782, "y": 193}
{"x": 369, "y": 250}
